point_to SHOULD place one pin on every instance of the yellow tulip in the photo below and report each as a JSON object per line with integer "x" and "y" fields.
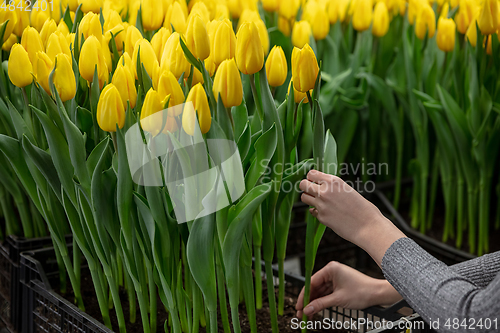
{"x": 444, "y": 11}
{"x": 19, "y": 66}
{"x": 124, "y": 81}
{"x": 159, "y": 40}
{"x": 62, "y": 28}
{"x": 318, "y": 19}
{"x": 224, "y": 42}
{"x": 126, "y": 60}
{"x": 488, "y": 19}
{"x": 425, "y": 22}
{"x": 48, "y": 28}
{"x": 9, "y": 43}
{"x": 237, "y": 7}
{"x": 380, "y": 20}
{"x": 73, "y": 5}
{"x": 276, "y": 67}
{"x": 152, "y": 120}
{"x": 64, "y": 77}
{"x": 261, "y": 27}
{"x": 113, "y": 25}
{"x": 119, "y": 6}
{"x": 153, "y": 14}
{"x": 23, "y": 19}
{"x": 168, "y": 86}
{"x": 91, "y": 55}
{"x": 471, "y": 34}
{"x": 176, "y": 17}
{"x": 446, "y": 34}
{"x": 401, "y": 6}
{"x": 174, "y": 59}
{"x": 38, "y": 17}
{"x": 200, "y": 107}
{"x": 131, "y": 38}
{"x": 227, "y": 84}
{"x": 210, "y": 65}
{"x": 462, "y": 18}
{"x": 362, "y": 15}
{"x": 249, "y": 50}
{"x": 221, "y": 12}
{"x": 148, "y": 57}
{"x": 285, "y": 26}
{"x": 301, "y": 33}
{"x": 133, "y": 10}
{"x": 42, "y": 69}
{"x": 413, "y": 10}
{"x": 90, "y": 5}
{"x": 289, "y": 9}
{"x": 11, "y": 16}
{"x": 90, "y": 26}
{"x": 337, "y": 10}
{"x": 297, "y": 95}
{"x": 57, "y": 6}
{"x": 197, "y": 39}
{"x": 56, "y": 44}
{"x": 304, "y": 68}
{"x": 271, "y": 5}
{"x": 110, "y": 110}
{"x": 32, "y": 42}
{"x": 200, "y": 9}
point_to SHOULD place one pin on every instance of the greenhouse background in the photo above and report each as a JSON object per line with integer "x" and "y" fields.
{"x": 151, "y": 152}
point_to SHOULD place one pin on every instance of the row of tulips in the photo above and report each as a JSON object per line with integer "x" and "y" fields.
{"x": 80, "y": 85}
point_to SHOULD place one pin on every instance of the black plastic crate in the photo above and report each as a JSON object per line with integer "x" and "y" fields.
{"x": 10, "y": 287}
{"x": 44, "y": 310}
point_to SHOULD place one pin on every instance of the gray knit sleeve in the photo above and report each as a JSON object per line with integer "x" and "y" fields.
{"x": 437, "y": 292}
{"x": 482, "y": 270}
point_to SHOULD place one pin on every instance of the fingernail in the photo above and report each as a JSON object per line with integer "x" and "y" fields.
{"x": 312, "y": 172}
{"x": 309, "y": 310}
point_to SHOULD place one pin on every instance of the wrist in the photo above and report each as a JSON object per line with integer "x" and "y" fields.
{"x": 384, "y": 293}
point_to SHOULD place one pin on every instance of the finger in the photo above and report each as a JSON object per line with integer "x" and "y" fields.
{"x": 320, "y": 282}
{"x": 320, "y": 304}
{"x": 300, "y": 300}
{"x": 308, "y": 199}
{"x": 317, "y": 177}
{"x": 314, "y": 212}
{"x": 309, "y": 187}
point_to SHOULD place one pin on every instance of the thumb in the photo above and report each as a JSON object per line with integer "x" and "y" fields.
{"x": 320, "y": 304}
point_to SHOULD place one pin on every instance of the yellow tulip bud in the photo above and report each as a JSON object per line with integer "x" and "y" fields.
{"x": 401, "y": 6}
{"x": 49, "y": 27}
{"x": 152, "y": 120}
{"x": 198, "y": 98}
{"x": 337, "y": 10}
{"x": 90, "y": 26}
{"x": 110, "y": 110}
{"x": 228, "y": 84}
{"x": 56, "y": 44}
{"x": 124, "y": 81}
{"x": 131, "y": 38}
{"x": 318, "y": 19}
{"x": 301, "y": 33}
{"x": 38, "y": 17}
{"x": 11, "y": 16}
{"x": 445, "y": 10}
{"x": 126, "y": 60}
{"x": 174, "y": 59}
{"x": 113, "y": 25}
{"x": 23, "y": 19}
{"x": 413, "y": 10}
{"x": 362, "y": 15}
{"x": 73, "y": 5}
{"x": 90, "y": 5}
{"x": 462, "y": 18}
{"x": 32, "y": 42}
{"x": 168, "y": 86}
{"x": 297, "y": 95}
{"x": 380, "y": 20}
{"x": 19, "y": 66}
{"x": 249, "y": 50}
{"x": 159, "y": 40}
{"x": 64, "y": 77}
{"x": 221, "y": 12}
{"x": 446, "y": 34}
{"x": 119, "y": 6}
{"x": 276, "y": 67}
{"x": 70, "y": 38}
{"x": 148, "y": 57}
{"x": 237, "y": 7}
{"x": 472, "y": 33}
{"x": 304, "y": 68}
{"x": 42, "y": 68}
{"x": 271, "y": 5}
{"x": 289, "y": 9}
{"x": 488, "y": 19}
{"x": 133, "y": 10}
{"x": 285, "y": 26}
{"x": 58, "y": 7}
{"x": 91, "y": 55}
{"x": 200, "y": 9}
{"x": 224, "y": 41}
{"x": 197, "y": 39}
{"x": 176, "y": 17}
{"x": 210, "y": 65}
{"x": 252, "y": 16}
{"x": 426, "y": 22}
{"x": 9, "y": 43}
{"x": 152, "y": 14}
{"x": 62, "y": 28}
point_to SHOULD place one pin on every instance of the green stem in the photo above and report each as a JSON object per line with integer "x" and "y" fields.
{"x": 116, "y": 300}
{"x": 258, "y": 276}
{"x": 221, "y": 288}
{"x": 101, "y": 298}
{"x": 197, "y": 307}
{"x": 272, "y": 296}
{"x": 246, "y": 279}
{"x": 423, "y": 203}
{"x": 131, "y": 296}
{"x": 281, "y": 293}
{"x": 256, "y": 97}
{"x": 152, "y": 298}
{"x": 460, "y": 210}
{"x": 312, "y": 227}
{"x": 472, "y": 198}
{"x": 77, "y": 261}
{"x": 434, "y": 184}
{"x": 399, "y": 171}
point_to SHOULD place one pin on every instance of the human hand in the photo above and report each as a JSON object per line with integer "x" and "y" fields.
{"x": 339, "y": 285}
{"x": 348, "y": 213}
